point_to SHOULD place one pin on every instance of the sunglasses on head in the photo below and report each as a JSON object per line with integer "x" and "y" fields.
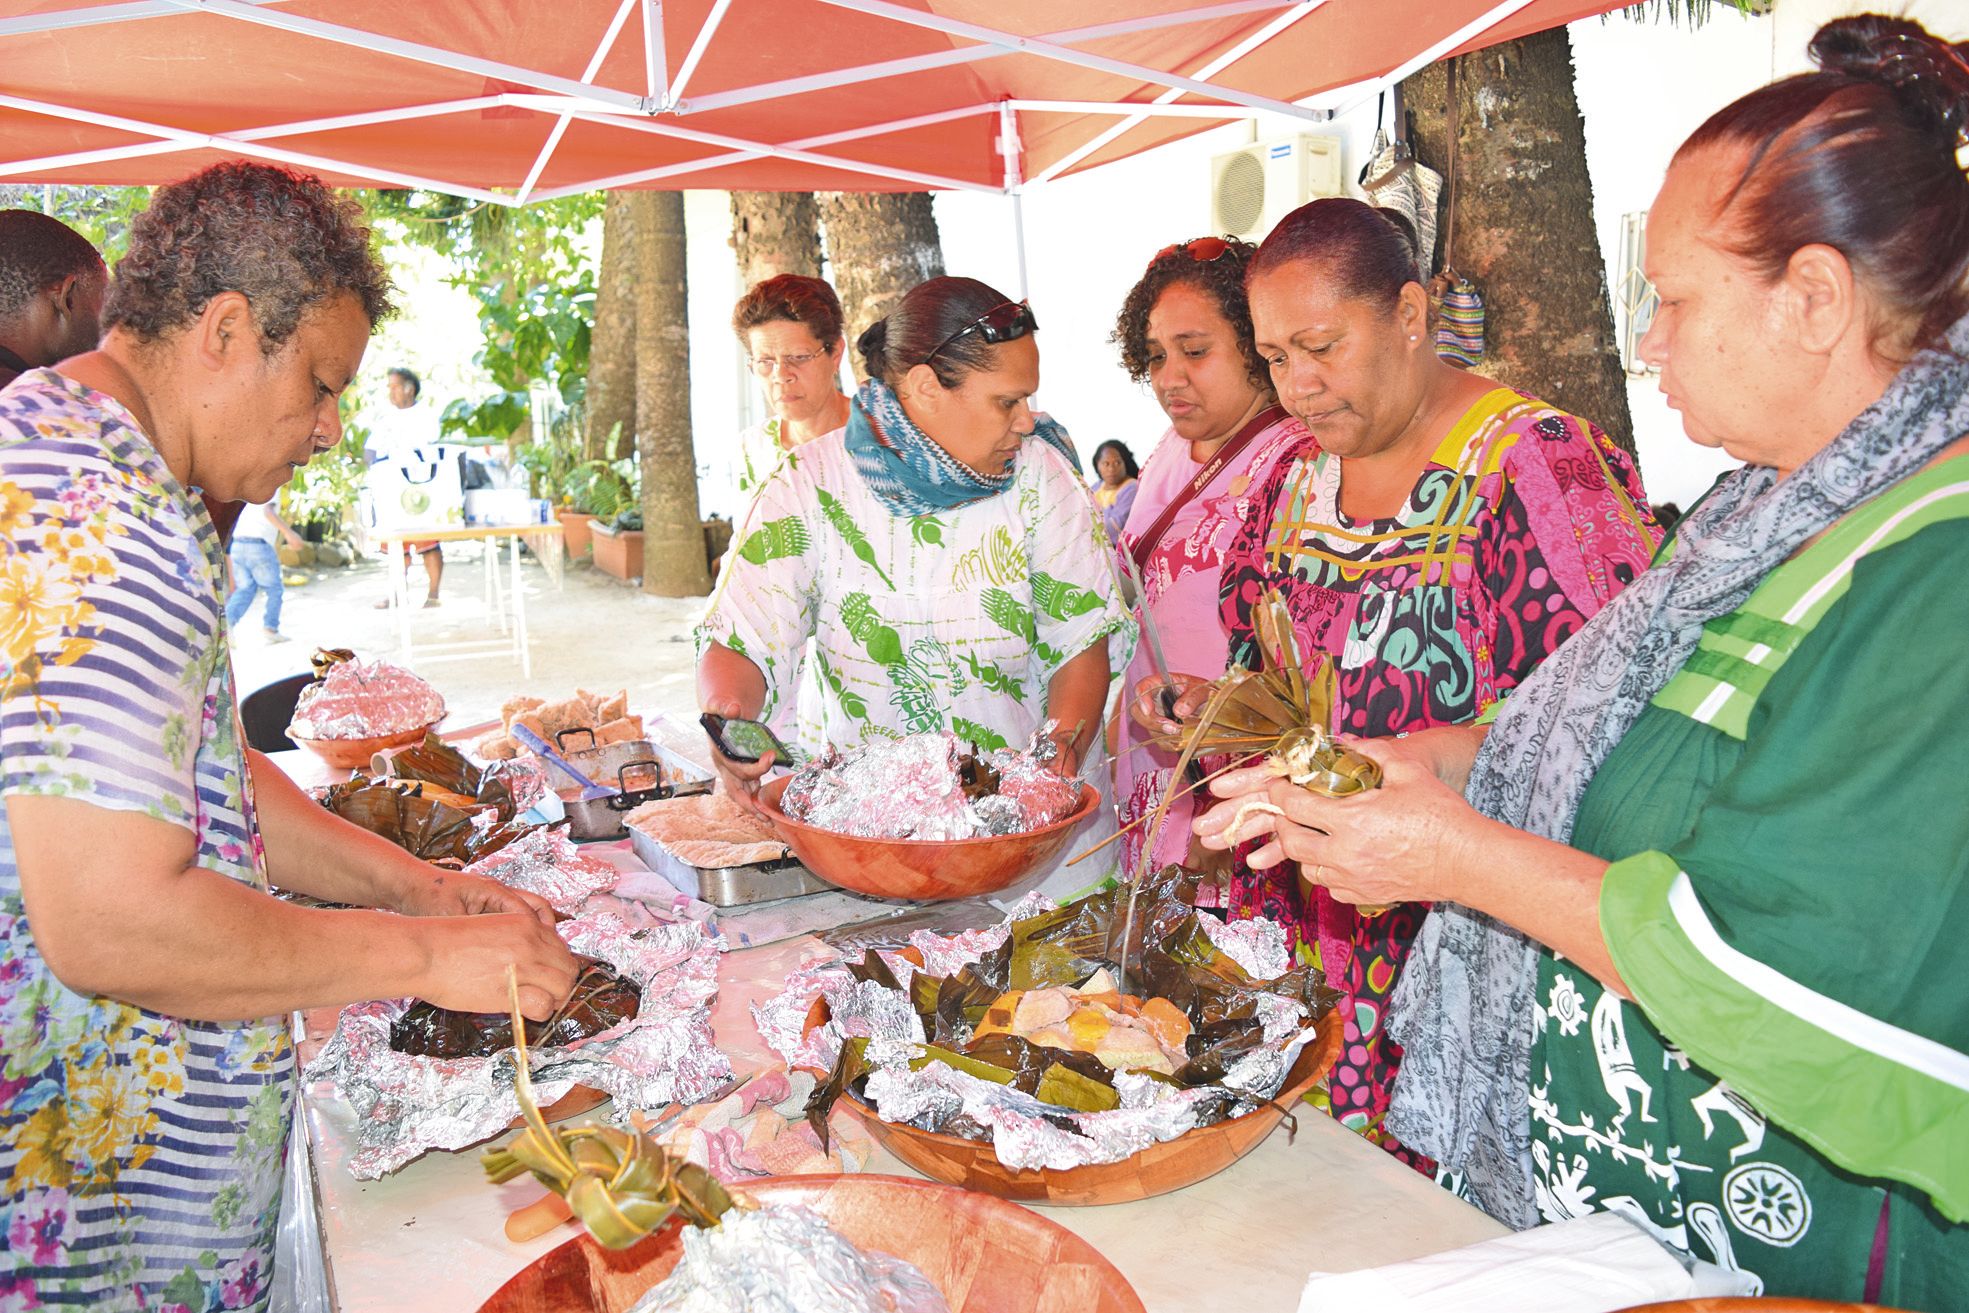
{"x": 1002, "y": 323}
{"x": 1200, "y": 249}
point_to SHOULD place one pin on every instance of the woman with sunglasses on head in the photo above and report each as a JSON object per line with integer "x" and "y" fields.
{"x": 1185, "y": 330}
{"x": 939, "y": 553}
{"x": 790, "y": 328}
{"x": 1114, "y": 486}
{"x": 1703, "y": 885}
{"x": 1434, "y": 538}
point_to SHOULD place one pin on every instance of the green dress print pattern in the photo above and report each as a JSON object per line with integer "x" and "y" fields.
{"x": 955, "y": 621}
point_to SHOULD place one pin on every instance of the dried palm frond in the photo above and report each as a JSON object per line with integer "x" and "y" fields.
{"x": 621, "y": 1184}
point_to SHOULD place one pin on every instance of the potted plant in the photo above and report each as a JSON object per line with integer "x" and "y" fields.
{"x": 619, "y": 545}
{"x": 597, "y": 490}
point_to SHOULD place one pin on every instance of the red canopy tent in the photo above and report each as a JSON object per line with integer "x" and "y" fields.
{"x": 508, "y": 101}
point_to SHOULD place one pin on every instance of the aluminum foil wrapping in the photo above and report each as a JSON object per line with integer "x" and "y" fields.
{"x": 405, "y": 1104}
{"x": 1025, "y": 1133}
{"x": 910, "y": 788}
{"x": 782, "y": 1259}
{"x": 365, "y": 700}
{"x": 525, "y": 777}
{"x": 546, "y": 862}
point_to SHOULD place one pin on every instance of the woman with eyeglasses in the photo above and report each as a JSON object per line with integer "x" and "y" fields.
{"x": 1435, "y": 538}
{"x": 938, "y": 552}
{"x": 790, "y": 328}
{"x": 1185, "y": 330}
{"x": 1703, "y": 885}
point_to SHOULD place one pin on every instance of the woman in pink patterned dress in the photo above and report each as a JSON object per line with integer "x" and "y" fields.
{"x": 1185, "y": 330}
{"x": 1435, "y": 537}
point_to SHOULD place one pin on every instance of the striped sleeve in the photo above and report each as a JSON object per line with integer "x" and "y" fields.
{"x": 1807, "y": 939}
{"x": 110, "y": 631}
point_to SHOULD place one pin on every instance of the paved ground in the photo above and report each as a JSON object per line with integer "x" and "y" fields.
{"x": 592, "y": 632}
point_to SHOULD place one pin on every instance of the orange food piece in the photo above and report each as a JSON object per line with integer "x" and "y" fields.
{"x": 998, "y": 1018}
{"x": 817, "y": 1016}
{"x": 1166, "y": 1022}
{"x": 912, "y": 955}
{"x": 1088, "y": 1027}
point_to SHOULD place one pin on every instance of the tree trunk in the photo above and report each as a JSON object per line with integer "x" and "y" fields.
{"x": 775, "y": 232}
{"x": 1523, "y": 222}
{"x": 612, "y": 353}
{"x": 673, "y": 536}
{"x": 879, "y": 245}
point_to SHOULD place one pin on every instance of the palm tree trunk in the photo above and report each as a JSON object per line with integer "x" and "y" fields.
{"x": 879, "y": 245}
{"x": 612, "y": 351}
{"x": 775, "y": 232}
{"x": 673, "y": 536}
{"x": 1523, "y": 216}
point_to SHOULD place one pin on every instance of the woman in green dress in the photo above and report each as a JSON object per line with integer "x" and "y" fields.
{"x": 1703, "y": 919}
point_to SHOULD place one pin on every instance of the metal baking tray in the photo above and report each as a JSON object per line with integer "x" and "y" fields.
{"x": 635, "y": 766}
{"x": 722, "y": 886}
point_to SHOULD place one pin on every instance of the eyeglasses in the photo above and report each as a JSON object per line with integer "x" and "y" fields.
{"x": 767, "y": 366}
{"x": 1002, "y": 323}
{"x": 1200, "y": 249}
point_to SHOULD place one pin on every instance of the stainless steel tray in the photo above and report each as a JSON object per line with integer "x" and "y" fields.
{"x": 729, "y": 886}
{"x": 627, "y": 764}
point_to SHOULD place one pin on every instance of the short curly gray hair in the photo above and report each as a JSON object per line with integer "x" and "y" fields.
{"x": 279, "y": 238}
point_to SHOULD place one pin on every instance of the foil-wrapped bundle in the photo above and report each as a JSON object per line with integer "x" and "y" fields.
{"x": 927, "y": 786}
{"x": 546, "y": 862}
{"x": 365, "y": 700}
{"x": 405, "y": 1104}
{"x": 1246, "y": 1016}
{"x": 784, "y": 1259}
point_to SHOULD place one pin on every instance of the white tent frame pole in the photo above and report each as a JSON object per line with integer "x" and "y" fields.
{"x": 650, "y": 175}
{"x": 1462, "y": 36}
{"x": 656, "y": 57}
{"x": 844, "y": 77}
{"x": 698, "y": 47}
{"x": 1012, "y": 148}
{"x": 1127, "y": 108}
{"x": 170, "y": 140}
{"x": 246, "y": 12}
{"x": 1101, "y": 140}
{"x": 96, "y": 15}
{"x": 595, "y": 62}
{"x": 1064, "y": 55}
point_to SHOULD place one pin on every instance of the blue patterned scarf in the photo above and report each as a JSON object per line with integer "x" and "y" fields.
{"x": 906, "y": 469}
{"x": 1463, "y": 1009}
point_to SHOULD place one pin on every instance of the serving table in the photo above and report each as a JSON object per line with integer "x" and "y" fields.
{"x": 431, "y": 1236}
{"x": 506, "y": 603}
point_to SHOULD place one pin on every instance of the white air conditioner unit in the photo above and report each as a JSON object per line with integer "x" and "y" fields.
{"x": 1253, "y": 187}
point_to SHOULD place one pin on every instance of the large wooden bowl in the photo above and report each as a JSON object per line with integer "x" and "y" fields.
{"x": 1767, "y": 1304}
{"x": 922, "y": 869}
{"x": 1158, "y": 1169}
{"x": 355, "y": 754}
{"x": 985, "y": 1255}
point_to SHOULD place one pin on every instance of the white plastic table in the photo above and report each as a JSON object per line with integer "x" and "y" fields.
{"x": 505, "y": 603}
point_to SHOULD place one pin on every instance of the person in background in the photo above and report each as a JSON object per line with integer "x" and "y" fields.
{"x": 147, "y": 975}
{"x": 1185, "y": 330}
{"x": 410, "y": 424}
{"x": 256, "y": 564}
{"x": 1720, "y": 830}
{"x": 51, "y": 292}
{"x": 1434, "y": 538}
{"x": 1113, "y": 488}
{"x": 790, "y": 329}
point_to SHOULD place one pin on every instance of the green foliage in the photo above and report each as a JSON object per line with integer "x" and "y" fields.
{"x": 1693, "y": 12}
{"x": 102, "y": 214}
{"x": 535, "y": 287}
{"x": 605, "y": 488}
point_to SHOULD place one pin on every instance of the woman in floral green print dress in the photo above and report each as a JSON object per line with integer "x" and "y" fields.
{"x": 941, "y": 552}
{"x": 1726, "y": 815}
{"x": 147, "y": 1082}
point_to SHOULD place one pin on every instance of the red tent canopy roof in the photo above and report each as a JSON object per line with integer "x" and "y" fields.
{"x": 510, "y": 100}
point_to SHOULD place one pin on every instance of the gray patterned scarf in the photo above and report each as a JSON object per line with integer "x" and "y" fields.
{"x": 1463, "y": 1010}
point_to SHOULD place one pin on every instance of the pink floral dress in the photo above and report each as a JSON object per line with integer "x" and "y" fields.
{"x": 1525, "y": 521}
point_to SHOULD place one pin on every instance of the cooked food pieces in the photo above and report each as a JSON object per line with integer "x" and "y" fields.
{"x": 925, "y": 786}
{"x": 601, "y": 999}
{"x": 1124, "y": 1032}
{"x": 365, "y": 700}
{"x": 422, "y": 825}
{"x": 780, "y": 1259}
{"x": 606, "y": 717}
{"x": 708, "y": 831}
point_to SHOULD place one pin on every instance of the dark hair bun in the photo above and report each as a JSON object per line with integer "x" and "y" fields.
{"x": 873, "y": 346}
{"x": 1928, "y": 74}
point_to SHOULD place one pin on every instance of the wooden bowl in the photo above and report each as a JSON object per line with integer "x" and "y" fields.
{"x": 922, "y": 869}
{"x": 1158, "y": 1169}
{"x": 985, "y": 1255}
{"x": 1765, "y": 1304}
{"x": 355, "y": 754}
